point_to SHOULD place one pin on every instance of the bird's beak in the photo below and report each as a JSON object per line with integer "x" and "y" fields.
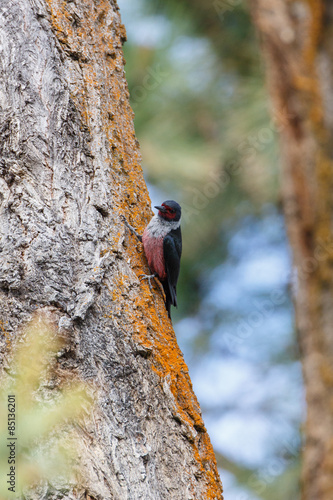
{"x": 161, "y": 209}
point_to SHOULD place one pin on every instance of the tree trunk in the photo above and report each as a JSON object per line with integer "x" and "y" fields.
{"x": 69, "y": 169}
{"x": 297, "y": 43}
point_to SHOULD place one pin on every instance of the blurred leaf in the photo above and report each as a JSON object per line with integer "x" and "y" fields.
{"x": 45, "y": 444}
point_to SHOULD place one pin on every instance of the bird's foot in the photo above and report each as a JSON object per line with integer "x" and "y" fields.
{"x": 131, "y": 228}
{"x": 148, "y": 277}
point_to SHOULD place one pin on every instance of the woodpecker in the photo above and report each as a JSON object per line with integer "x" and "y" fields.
{"x": 162, "y": 244}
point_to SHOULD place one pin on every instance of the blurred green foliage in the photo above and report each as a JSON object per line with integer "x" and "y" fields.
{"x": 203, "y": 122}
{"x": 45, "y": 442}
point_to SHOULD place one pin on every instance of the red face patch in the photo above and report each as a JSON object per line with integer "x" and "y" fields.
{"x": 169, "y": 214}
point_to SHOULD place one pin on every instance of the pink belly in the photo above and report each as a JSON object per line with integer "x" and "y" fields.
{"x": 153, "y": 248}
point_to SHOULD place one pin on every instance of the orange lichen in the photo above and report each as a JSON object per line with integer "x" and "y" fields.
{"x": 6, "y": 334}
{"x": 102, "y": 87}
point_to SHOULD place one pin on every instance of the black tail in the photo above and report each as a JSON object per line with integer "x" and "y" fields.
{"x": 170, "y": 296}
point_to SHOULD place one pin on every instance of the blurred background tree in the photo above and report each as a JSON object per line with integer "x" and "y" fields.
{"x": 208, "y": 141}
{"x": 296, "y": 41}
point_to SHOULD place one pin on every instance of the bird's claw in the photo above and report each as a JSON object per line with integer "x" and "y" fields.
{"x": 148, "y": 277}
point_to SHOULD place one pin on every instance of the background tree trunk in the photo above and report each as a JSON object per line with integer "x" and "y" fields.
{"x": 298, "y": 46}
{"x": 69, "y": 168}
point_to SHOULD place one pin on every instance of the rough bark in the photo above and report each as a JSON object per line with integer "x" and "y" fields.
{"x": 69, "y": 168}
{"x": 297, "y": 43}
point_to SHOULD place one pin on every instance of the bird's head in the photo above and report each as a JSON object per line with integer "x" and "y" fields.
{"x": 170, "y": 211}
